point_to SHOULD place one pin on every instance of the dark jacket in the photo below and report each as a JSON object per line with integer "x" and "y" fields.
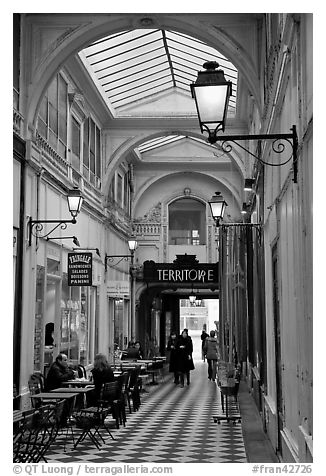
{"x": 56, "y": 375}
{"x": 211, "y": 348}
{"x": 203, "y": 337}
{"x": 184, "y": 354}
{"x": 172, "y": 348}
{"x": 132, "y": 354}
{"x": 101, "y": 376}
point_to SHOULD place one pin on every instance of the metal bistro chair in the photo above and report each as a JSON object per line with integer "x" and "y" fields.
{"x": 111, "y": 397}
{"x": 124, "y": 383}
{"x": 81, "y": 371}
{"x": 35, "y": 434}
{"x": 64, "y": 419}
{"x": 133, "y": 390}
{"x": 91, "y": 420}
{"x": 36, "y": 385}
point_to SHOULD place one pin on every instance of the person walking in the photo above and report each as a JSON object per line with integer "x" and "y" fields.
{"x": 173, "y": 363}
{"x": 203, "y": 337}
{"x": 184, "y": 357}
{"x": 212, "y": 354}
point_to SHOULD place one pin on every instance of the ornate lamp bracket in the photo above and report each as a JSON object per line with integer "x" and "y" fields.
{"x": 116, "y": 259}
{"x": 36, "y": 227}
{"x": 279, "y": 144}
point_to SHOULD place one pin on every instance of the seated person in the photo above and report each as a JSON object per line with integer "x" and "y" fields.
{"x": 135, "y": 352}
{"x": 102, "y": 373}
{"x": 58, "y": 373}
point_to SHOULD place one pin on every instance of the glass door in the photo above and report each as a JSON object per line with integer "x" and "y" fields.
{"x": 71, "y": 320}
{"x": 51, "y": 324}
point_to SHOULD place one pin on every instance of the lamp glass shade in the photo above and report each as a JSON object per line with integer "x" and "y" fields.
{"x": 217, "y": 205}
{"x": 192, "y": 298}
{"x": 211, "y": 104}
{"x": 132, "y": 243}
{"x": 244, "y": 209}
{"x": 211, "y": 92}
{"x": 75, "y": 201}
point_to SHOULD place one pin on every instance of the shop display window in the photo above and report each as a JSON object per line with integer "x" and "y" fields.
{"x": 118, "y": 324}
{"x": 70, "y": 320}
{"x": 40, "y": 282}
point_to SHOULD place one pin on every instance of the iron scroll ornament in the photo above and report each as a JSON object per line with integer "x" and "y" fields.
{"x": 112, "y": 258}
{"x": 279, "y": 145}
{"x": 36, "y": 227}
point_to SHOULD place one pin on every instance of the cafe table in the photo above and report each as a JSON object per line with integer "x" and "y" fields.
{"x": 129, "y": 365}
{"x": 78, "y": 390}
{"x": 77, "y": 382}
{"x": 152, "y": 368}
{"x": 54, "y": 395}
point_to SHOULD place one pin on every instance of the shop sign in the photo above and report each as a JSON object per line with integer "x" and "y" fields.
{"x": 178, "y": 273}
{"x": 80, "y": 269}
{"x": 118, "y": 289}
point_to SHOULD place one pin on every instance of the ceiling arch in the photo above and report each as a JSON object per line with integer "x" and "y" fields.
{"x": 50, "y": 43}
{"x": 212, "y": 182}
{"x": 133, "y": 142}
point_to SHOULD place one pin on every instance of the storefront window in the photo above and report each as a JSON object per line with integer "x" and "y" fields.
{"x": 78, "y": 322}
{"x": 83, "y": 327}
{"x": 187, "y": 222}
{"x": 70, "y": 320}
{"x": 40, "y": 281}
{"x": 118, "y": 324}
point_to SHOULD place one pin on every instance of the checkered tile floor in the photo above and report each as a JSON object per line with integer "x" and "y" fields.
{"x": 172, "y": 425}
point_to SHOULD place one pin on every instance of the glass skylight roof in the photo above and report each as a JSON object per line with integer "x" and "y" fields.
{"x": 133, "y": 66}
{"x": 162, "y": 141}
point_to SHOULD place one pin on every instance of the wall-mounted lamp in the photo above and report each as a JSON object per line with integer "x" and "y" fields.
{"x": 75, "y": 201}
{"x": 73, "y": 238}
{"x": 212, "y": 92}
{"x": 249, "y": 185}
{"x": 218, "y": 205}
{"x": 132, "y": 244}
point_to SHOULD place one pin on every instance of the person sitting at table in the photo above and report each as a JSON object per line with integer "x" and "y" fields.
{"x": 102, "y": 373}
{"x": 58, "y": 372}
{"x": 135, "y": 352}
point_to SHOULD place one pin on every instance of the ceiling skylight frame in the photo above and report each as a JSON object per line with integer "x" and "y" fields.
{"x": 158, "y": 53}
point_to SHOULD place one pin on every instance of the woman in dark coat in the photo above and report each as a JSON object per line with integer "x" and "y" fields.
{"x": 203, "y": 337}
{"x": 184, "y": 357}
{"x": 172, "y": 348}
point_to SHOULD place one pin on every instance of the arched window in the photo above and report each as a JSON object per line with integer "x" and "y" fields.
{"x": 187, "y": 219}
